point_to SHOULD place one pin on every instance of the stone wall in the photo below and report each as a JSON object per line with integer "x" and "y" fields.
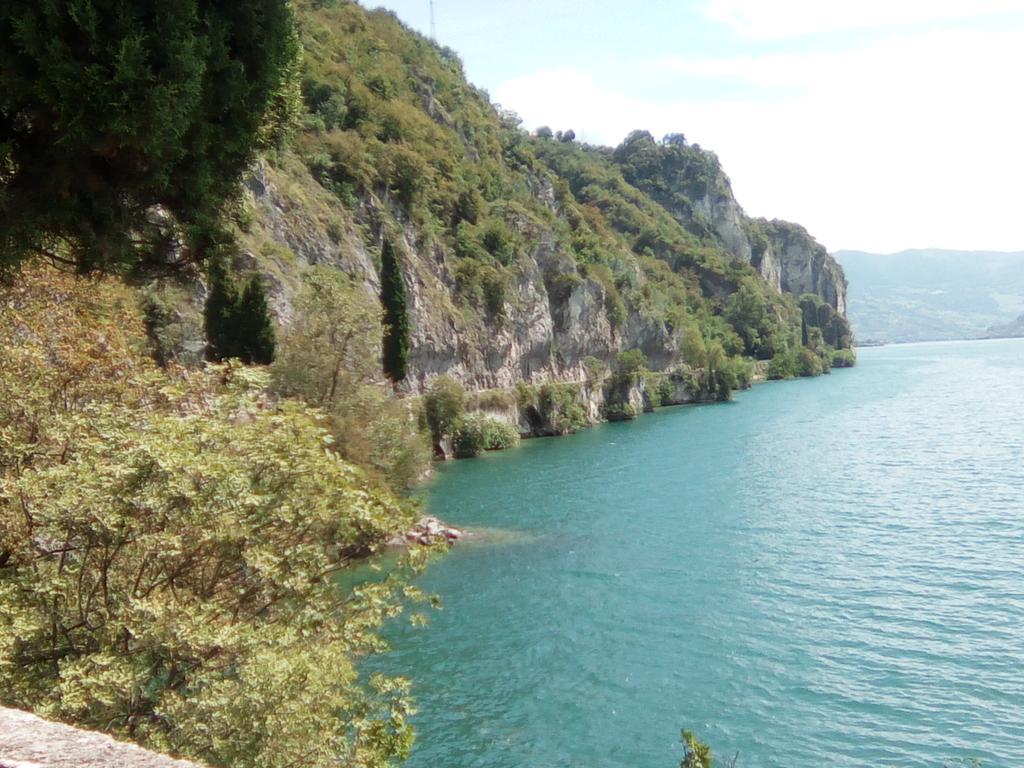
{"x": 27, "y": 741}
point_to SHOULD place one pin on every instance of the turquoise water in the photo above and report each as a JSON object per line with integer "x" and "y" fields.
{"x": 826, "y": 572}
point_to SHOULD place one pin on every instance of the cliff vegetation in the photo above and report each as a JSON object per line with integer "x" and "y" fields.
{"x": 292, "y": 255}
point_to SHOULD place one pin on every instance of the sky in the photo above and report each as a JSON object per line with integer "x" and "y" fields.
{"x": 880, "y": 125}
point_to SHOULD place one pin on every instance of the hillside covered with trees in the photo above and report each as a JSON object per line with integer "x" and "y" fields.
{"x": 259, "y": 263}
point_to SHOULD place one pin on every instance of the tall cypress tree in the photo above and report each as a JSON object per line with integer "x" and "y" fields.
{"x": 255, "y": 326}
{"x": 219, "y": 312}
{"x": 396, "y": 315}
{"x": 237, "y": 322}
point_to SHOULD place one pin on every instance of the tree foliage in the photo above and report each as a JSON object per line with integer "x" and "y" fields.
{"x": 396, "y": 315}
{"x": 443, "y": 407}
{"x": 168, "y": 549}
{"x": 113, "y": 115}
{"x": 237, "y": 320}
{"x": 329, "y": 356}
{"x": 696, "y": 754}
{"x": 478, "y": 433}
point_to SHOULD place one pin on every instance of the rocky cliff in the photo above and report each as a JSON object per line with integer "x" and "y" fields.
{"x": 692, "y": 186}
{"x": 524, "y": 256}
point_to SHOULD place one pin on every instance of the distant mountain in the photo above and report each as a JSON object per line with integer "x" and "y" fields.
{"x": 1011, "y": 330}
{"x": 930, "y": 295}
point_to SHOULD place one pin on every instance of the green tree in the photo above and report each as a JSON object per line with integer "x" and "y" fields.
{"x": 219, "y": 311}
{"x": 443, "y": 406}
{"x": 696, "y": 754}
{"x": 630, "y": 363}
{"x": 396, "y": 315}
{"x": 255, "y": 325}
{"x": 748, "y": 313}
{"x": 169, "y": 546}
{"x": 113, "y": 115}
{"x": 333, "y": 342}
{"x": 237, "y": 322}
{"x": 329, "y": 356}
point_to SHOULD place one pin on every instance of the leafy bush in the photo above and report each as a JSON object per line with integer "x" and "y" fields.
{"x": 557, "y": 404}
{"x": 660, "y": 388}
{"x": 481, "y": 285}
{"x": 809, "y": 362}
{"x": 741, "y": 372}
{"x": 596, "y": 370}
{"x": 492, "y": 399}
{"x": 560, "y": 406}
{"x": 619, "y": 412}
{"x": 478, "y": 433}
{"x": 468, "y": 439}
{"x": 329, "y": 356}
{"x": 844, "y": 358}
{"x": 784, "y": 365}
{"x": 443, "y": 406}
{"x": 500, "y": 436}
{"x": 630, "y": 363}
{"x": 696, "y": 754}
{"x": 614, "y": 306}
{"x": 169, "y": 544}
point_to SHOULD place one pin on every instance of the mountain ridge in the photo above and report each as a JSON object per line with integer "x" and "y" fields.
{"x": 524, "y": 256}
{"x": 933, "y": 294}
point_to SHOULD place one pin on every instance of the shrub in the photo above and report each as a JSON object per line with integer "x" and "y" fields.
{"x": 183, "y": 535}
{"x": 478, "y": 433}
{"x": 329, "y": 356}
{"x": 443, "y": 406}
{"x": 614, "y": 306}
{"x": 809, "y": 362}
{"x": 560, "y": 406}
{"x": 481, "y": 285}
{"x": 844, "y": 358}
{"x": 499, "y": 241}
{"x": 619, "y": 412}
{"x": 664, "y": 391}
{"x": 783, "y": 365}
{"x": 596, "y": 370}
{"x": 630, "y": 363}
{"x": 696, "y": 754}
{"x": 500, "y": 436}
{"x": 468, "y": 439}
{"x": 742, "y": 372}
{"x": 492, "y": 399}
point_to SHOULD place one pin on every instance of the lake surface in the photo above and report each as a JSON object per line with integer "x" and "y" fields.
{"x": 825, "y": 572}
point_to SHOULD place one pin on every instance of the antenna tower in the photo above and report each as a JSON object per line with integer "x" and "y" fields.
{"x": 433, "y": 22}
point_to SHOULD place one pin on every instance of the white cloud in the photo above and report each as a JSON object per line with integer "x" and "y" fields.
{"x": 912, "y": 142}
{"x": 794, "y": 18}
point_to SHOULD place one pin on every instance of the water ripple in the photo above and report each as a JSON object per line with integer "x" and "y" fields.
{"x": 827, "y": 573}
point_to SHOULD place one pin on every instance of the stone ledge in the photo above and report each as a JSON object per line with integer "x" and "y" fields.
{"x": 27, "y": 741}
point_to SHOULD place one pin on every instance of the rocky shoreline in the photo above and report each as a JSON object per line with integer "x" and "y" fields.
{"x": 428, "y": 530}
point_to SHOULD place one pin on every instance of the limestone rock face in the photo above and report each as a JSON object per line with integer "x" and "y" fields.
{"x": 552, "y": 318}
{"x": 805, "y": 265}
{"x": 727, "y": 220}
{"x": 545, "y": 328}
{"x": 691, "y": 185}
{"x": 789, "y": 259}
